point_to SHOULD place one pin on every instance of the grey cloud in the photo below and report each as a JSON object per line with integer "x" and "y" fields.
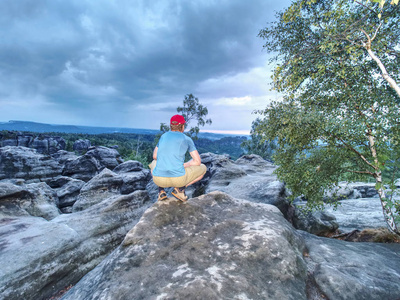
{"x": 79, "y": 53}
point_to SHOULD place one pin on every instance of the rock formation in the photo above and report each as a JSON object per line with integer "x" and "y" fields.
{"x": 42, "y": 144}
{"x": 61, "y": 215}
{"x": 219, "y": 247}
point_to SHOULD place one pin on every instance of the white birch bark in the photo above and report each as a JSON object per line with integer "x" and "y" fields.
{"x": 385, "y": 74}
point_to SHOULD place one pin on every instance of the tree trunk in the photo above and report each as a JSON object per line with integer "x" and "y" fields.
{"x": 387, "y": 212}
{"x": 385, "y": 74}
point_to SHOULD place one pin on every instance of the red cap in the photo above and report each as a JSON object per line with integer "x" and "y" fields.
{"x": 177, "y": 119}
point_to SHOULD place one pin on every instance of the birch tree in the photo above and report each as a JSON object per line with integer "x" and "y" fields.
{"x": 337, "y": 64}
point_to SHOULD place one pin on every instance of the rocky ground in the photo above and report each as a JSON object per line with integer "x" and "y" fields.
{"x": 90, "y": 224}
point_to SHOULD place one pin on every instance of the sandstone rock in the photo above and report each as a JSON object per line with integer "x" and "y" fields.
{"x": 218, "y": 247}
{"x": 9, "y": 142}
{"x": 26, "y": 163}
{"x": 81, "y": 146}
{"x": 213, "y": 247}
{"x": 107, "y": 184}
{"x": 358, "y": 214}
{"x": 345, "y": 270}
{"x": 48, "y": 145}
{"x": 36, "y": 199}
{"x": 107, "y": 157}
{"x": 63, "y": 156}
{"x": 352, "y": 190}
{"x": 128, "y": 166}
{"x": 67, "y": 190}
{"x": 85, "y": 167}
{"x": 319, "y": 222}
{"x": 24, "y": 140}
{"x": 41, "y": 257}
{"x": 250, "y": 178}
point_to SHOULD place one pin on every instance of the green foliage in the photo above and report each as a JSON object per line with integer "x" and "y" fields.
{"x": 193, "y": 111}
{"x": 340, "y": 115}
{"x": 226, "y": 145}
{"x": 257, "y": 144}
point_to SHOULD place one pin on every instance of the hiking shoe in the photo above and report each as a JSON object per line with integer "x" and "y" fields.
{"x": 162, "y": 196}
{"x": 179, "y": 194}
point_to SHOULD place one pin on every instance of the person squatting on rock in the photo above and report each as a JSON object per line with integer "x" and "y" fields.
{"x": 169, "y": 168}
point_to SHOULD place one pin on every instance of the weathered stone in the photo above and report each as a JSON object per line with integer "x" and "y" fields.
{"x": 107, "y": 157}
{"x": 26, "y": 163}
{"x": 358, "y": 214}
{"x": 213, "y": 247}
{"x": 128, "y": 166}
{"x": 24, "y": 140}
{"x": 36, "y": 199}
{"x": 319, "y": 222}
{"x": 81, "y": 146}
{"x": 67, "y": 190}
{"x": 352, "y": 190}
{"x": 63, "y": 156}
{"x": 9, "y": 142}
{"x": 345, "y": 270}
{"x": 107, "y": 184}
{"x": 218, "y": 247}
{"x": 41, "y": 257}
{"x": 85, "y": 167}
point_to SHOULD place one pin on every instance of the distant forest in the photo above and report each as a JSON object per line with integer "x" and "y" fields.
{"x": 139, "y": 147}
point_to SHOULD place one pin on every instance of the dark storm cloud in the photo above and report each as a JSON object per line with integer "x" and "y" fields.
{"x": 119, "y": 53}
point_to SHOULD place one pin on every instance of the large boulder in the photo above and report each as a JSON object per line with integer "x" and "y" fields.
{"x": 35, "y": 199}
{"x": 47, "y": 144}
{"x": 249, "y": 177}
{"x": 358, "y": 214}
{"x": 347, "y": 270}
{"x": 68, "y": 190}
{"x": 85, "y": 167}
{"x": 218, "y": 247}
{"x": 26, "y": 163}
{"x": 316, "y": 222}
{"x": 40, "y": 258}
{"x": 353, "y": 190}
{"x": 81, "y": 146}
{"x": 213, "y": 247}
{"x": 108, "y": 183}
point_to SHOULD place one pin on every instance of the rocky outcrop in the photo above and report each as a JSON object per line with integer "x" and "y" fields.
{"x": 108, "y": 183}
{"x": 42, "y": 248}
{"x": 42, "y": 144}
{"x": 81, "y": 146}
{"x": 28, "y": 164}
{"x": 251, "y": 177}
{"x": 85, "y": 167}
{"x": 55, "y": 228}
{"x": 68, "y": 190}
{"x": 36, "y": 199}
{"x": 319, "y": 223}
{"x": 358, "y": 214}
{"x": 352, "y": 190}
{"x": 214, "y": 247}
{"x": 218, "y": 247}
{"x": 41, "y": 257}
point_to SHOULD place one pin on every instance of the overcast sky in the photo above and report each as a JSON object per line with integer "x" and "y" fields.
{"x": 129, "y": 63}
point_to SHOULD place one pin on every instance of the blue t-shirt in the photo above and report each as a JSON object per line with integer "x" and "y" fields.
{"x": 172, "y": 148}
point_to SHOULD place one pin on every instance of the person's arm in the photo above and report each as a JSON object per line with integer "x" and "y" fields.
{"x": 195, "y": 161}
{"x": 155, "y": 153}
